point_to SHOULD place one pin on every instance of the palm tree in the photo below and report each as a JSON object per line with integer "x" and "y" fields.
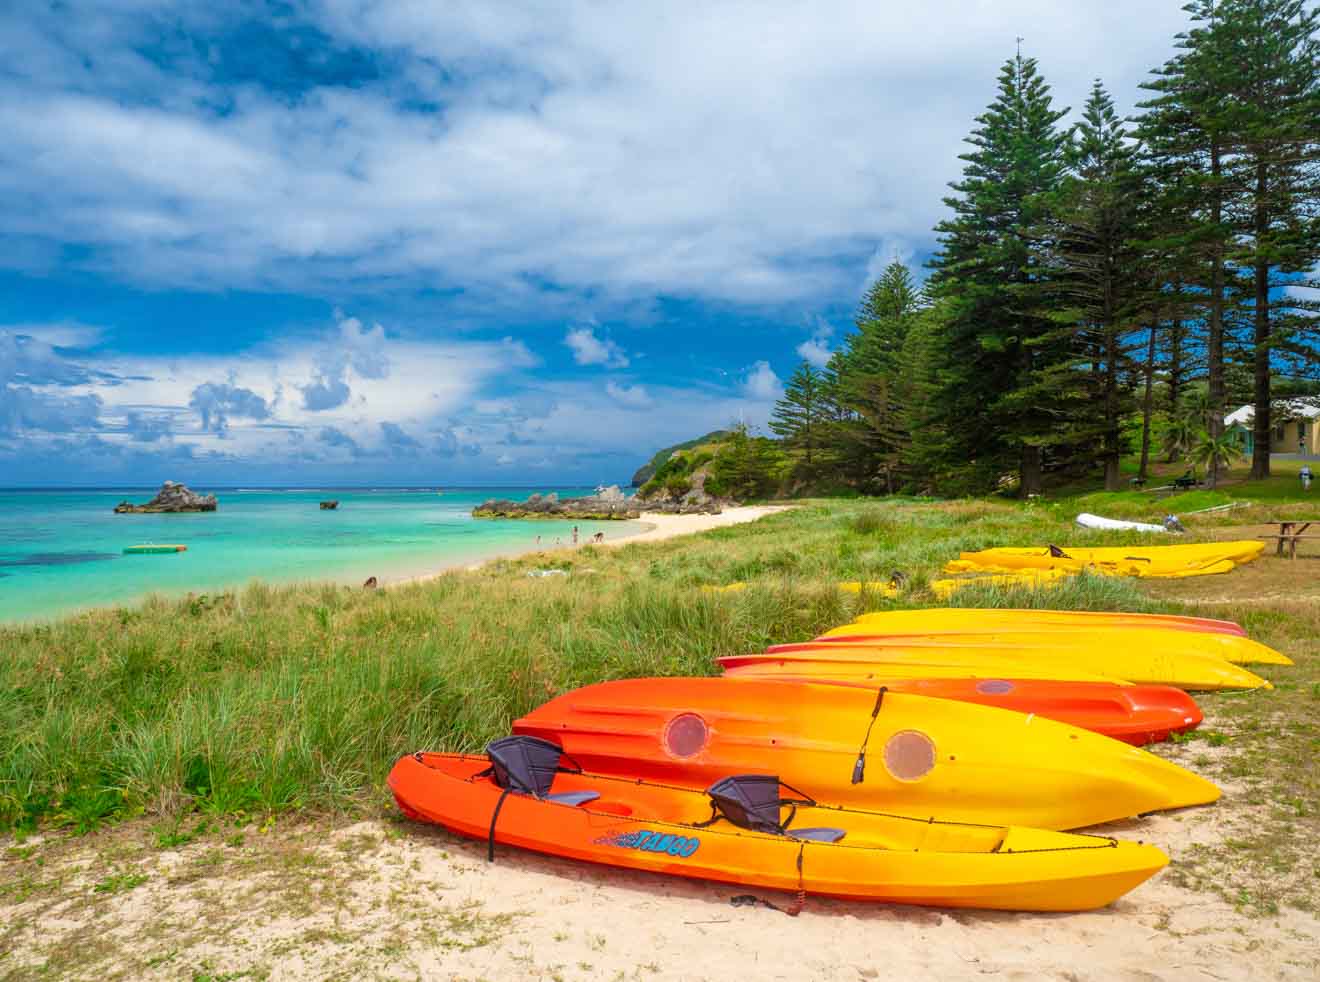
{"x": 1180, "y": 436}
{"x": 1213, "y": 452}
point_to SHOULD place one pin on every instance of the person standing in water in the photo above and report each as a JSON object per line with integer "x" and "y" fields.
{"x": 575, "y": 535}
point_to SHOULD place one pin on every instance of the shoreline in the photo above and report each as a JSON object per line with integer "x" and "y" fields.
{"x": 649, "y": 527}
{"x": 657, "y": 526}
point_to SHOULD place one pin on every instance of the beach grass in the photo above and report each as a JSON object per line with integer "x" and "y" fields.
{"x": 268, "y": 699}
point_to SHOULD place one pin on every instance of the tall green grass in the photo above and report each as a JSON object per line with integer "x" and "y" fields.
{"x": 266, "y": 698}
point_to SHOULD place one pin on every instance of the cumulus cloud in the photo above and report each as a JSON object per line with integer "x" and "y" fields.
{"x": 451, "y": 441}
{"x": 732, "y": 151}
{"x": 761, "y": 383}
{"x": 590, "y": 350}
{"x": 815, "y": 351}
{"x": 334, "y": 437}
{"x": 149, "y": 428}
{"x": 633, "y": 396}
{"x": 24, "y": 409}
{"x": 217, "y": 402}
{"x": 351, "y": 348}
{"x": 35, "y": 380}
{"x": 398, "y": 440}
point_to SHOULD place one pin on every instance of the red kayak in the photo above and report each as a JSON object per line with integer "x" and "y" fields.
{"x": 1135, "y": 714}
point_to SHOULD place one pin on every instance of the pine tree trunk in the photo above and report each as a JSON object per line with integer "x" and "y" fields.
{"x": 1261, "y": 422}
{"x": 1175, "y": 371}
{"x": 1030, "y": 473}
{"x": 1147, "y": 406}
{"x": 1111, "y": 390}
{"x": 1215, "y": 327}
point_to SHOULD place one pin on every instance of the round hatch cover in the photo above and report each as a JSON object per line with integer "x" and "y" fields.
{"x": 686, "y": 735}
{"x": 909, "y": 755}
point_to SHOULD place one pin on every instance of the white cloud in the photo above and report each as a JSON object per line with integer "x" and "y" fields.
{"x": 815, "y": 351}
{"x": 236, "y": 404}
{"x": 504, "y": 460}
{"x": 590, "y": 350}
{"x": 737, "y": 151}
{"x": 633, "y": 396}
{"x": 761, "y": 383}
{"x": 62, "y": 334}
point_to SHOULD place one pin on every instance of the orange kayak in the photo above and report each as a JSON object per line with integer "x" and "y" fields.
{"x": 1135, "y": 714}
{"x": 799, "y": 845}
{"x": 955, "y": 760}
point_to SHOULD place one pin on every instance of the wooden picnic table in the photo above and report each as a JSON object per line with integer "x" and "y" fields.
{"x": 1290, "y": 533}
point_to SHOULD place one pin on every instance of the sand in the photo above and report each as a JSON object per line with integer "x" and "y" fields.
{"x": 650, "y": 527}
{"x": 391, "y": 899}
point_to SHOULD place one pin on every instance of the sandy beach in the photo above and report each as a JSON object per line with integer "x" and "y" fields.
{"x": 650, "y": 527}
{"x": 390, "y": 899}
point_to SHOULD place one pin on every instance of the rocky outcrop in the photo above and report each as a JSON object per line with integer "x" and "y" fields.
{"x": 172, "y": 497}
{"x": 687, "y": 497}
{"x": 329, "y": 505}
{"x": 606, "y": 505}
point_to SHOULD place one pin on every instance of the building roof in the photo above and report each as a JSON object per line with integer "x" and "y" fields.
{"x": 1284, "y": 410}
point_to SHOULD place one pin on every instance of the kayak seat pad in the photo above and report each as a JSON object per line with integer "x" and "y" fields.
{"x": 817, "y": 835}
{"x": 573, "y": 797}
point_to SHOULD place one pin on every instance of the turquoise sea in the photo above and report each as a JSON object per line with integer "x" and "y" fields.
{"x": 63, "y": 550}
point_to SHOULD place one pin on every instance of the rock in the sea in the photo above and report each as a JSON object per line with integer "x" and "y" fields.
{"x": 172, "y": 497}
{"x": 329, "y": 505}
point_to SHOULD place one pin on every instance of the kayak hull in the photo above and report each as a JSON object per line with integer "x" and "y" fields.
{"x": 959, "y": 761}
{"x": 963, "y": 618}
{"x": 1135, "y": 714}
{"x": 881, "y": 858}
{"x": 1042, "y": 655}
{"x": 1084, "y": 640}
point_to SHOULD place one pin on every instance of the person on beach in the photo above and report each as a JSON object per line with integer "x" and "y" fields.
{"x": 575, "y": 535}
{"x": 538, "y": 540}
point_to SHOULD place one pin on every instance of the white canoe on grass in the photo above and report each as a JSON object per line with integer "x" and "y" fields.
{"x": 1088, "y": 521}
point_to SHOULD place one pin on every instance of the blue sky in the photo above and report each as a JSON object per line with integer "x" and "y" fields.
{"x": 371, "y": 241}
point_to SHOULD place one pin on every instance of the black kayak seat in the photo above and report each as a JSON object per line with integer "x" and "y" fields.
{"x": 573, "y": 797}
{"x": 753, "y": 801}
{"x": 527, "y": 765}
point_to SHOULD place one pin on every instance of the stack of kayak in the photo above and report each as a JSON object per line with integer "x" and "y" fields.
{"x": 941, "y": 757}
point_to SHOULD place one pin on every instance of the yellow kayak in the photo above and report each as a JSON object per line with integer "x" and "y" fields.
{"x": 1114, "y": 660}
{"x": 1154, "y": 561}
{"x": 1085, "y": 642}
{"x": 924, "y": 756}
{"x": 921, "y": 619}
{"x": 1028, "y": 579}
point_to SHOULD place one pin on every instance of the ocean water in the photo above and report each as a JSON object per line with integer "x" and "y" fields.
{"x": 63, "y": 550}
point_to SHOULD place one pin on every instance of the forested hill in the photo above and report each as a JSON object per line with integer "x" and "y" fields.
{"x": 647, "y": 470}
